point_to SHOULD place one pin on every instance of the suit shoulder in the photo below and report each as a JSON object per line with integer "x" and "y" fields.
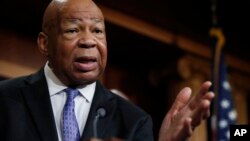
{"x": 12, "y": 83}
{"x": 126, "y": 106}
{"x": 132, "y": 116}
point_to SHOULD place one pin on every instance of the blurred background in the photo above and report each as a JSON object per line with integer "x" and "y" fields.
{"x": 155, "y": 47}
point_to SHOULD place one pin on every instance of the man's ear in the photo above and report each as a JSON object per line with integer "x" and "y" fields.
{"x": 42, "y": 42}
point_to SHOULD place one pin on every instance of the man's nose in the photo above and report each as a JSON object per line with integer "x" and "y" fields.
{"x": 87, "y": 40}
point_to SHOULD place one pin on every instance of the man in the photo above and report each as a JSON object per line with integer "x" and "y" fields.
{"x": 73, "y": 39}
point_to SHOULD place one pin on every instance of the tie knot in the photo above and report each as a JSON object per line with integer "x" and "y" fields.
{"x": 71, "y": 93}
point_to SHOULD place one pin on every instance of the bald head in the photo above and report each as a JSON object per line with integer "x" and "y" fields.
{"x": 74, "y": 41}
{"x": 56, "y": 8}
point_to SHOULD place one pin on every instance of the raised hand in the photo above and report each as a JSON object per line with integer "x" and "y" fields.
{"x": 186, "y": 113}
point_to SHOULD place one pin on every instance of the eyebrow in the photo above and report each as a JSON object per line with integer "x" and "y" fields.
{"x": 97, "y": 19}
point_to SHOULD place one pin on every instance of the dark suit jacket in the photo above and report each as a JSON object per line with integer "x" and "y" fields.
{"x": 26, "y": 113}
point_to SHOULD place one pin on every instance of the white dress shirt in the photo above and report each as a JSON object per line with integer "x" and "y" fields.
{"x": 58, "y": 99}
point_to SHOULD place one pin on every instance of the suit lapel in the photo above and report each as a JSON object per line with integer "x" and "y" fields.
{"x": 37, "y": 98}
{"x": 101, "y": 99}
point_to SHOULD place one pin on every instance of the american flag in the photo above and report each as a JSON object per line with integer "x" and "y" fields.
{"x": 226, "y": 113}
{"x": 223, "y": 110}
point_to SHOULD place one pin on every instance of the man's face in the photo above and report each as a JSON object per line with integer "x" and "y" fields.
{"x": 77, "y": 49}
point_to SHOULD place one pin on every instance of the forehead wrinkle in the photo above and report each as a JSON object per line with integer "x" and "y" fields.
{"x": 68, "y": 22}
{"x": 75, "y": 17}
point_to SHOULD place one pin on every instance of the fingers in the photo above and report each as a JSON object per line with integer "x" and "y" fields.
{"x": 204, "y": 88}
{"x": 180, "y": 130}
{"x": 187, "y": 113}
{"x": 200, "y": 105}
{"x": 180, "y": 101}
{"x": 202, "y": 94}
{"x": 209, "y": 96}
{"x": 188, "y": 126}
{"x": 201, "y": 112}
{"x": 184, "y": 131}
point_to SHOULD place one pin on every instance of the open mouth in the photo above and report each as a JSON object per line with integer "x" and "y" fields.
{"x": 85, "y": 59}
{"x": 86, "y": 63}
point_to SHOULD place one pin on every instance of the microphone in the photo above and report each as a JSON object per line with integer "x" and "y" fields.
{"x": 100, "y": 113}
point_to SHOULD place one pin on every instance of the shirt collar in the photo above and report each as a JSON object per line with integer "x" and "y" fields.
{"x": 55, "y": 86}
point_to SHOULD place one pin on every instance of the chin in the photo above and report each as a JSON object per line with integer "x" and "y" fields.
{"x": 86, "y": 79}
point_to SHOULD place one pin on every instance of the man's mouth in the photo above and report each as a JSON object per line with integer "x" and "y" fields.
{"x": 85, "y": 63}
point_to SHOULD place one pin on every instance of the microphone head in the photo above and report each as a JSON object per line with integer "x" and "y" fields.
{"x": 101, "y": 112}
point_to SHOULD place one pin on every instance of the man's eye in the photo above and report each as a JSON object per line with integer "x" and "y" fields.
{"x": 71, "y": 31}
{"x": 98, "y": 31}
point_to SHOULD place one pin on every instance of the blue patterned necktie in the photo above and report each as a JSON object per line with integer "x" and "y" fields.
{"x": 70, "y": 126}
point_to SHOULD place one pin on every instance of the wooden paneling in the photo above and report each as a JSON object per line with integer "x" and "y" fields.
{"x": 18, "y": 55}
